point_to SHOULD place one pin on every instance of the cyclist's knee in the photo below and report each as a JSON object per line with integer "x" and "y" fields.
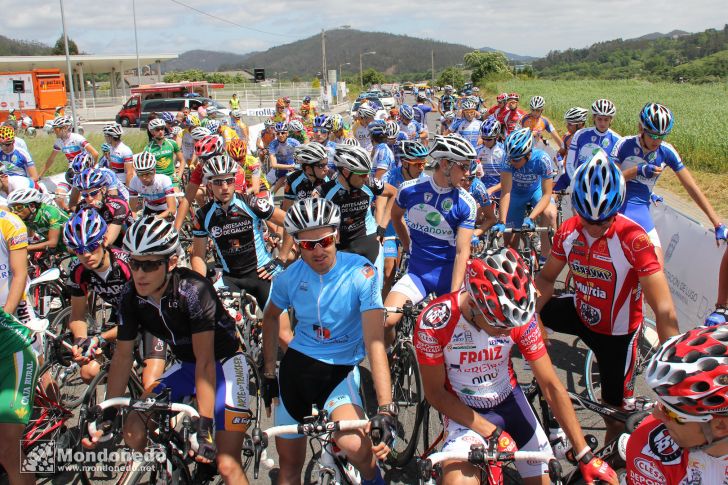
{"x": 228, "y": 465}
{"x": 89, "y": 371}
{"x": 135, "y": 431}
{"x": 291, "y": 458}
{"x": 457, "y": 473}
{"x": 355, "y": 445}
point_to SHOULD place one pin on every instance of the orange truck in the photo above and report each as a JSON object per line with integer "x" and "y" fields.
{"x": 35, "y": 93}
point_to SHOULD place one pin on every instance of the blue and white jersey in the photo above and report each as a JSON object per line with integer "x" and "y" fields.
{"x": 17, "y": 162}
{"x": 583, "y": 144}
{"x": 470, "y": 130}
{"x": 412, "y": 130}
{"x": 421, "y": 111}
{"x": 331, "y": 151}
{"x": 329, "y": 306}
{"x": 396, "y": 149}
{"x": 382, "y": 158}
{"x": 491, "y": 159}
{"x": 283, "y": 151}
{"x": 114, "y": 182}
{"x": 629, "y": 153}
{"x": 479, "y": 192}
{"x": 154, "y": 196}
{"x": 527, "y": 179}
{"x": 434, "y": 215}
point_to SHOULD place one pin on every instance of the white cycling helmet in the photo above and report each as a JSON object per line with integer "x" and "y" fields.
{"x": 236, "y": 114}
{"x": 24, "y": 196}
{"x": 353, "y": 158}
{"x": 603, "y": 107}
{"x": 151, "y": 236}
{"x": 310, "y": 153}
{"x": 352, "y": 142}
{"x": 468, "y": 104}
{"x": 176, "y": 130}
{"x": 452, "y": 147}
{"x": 311, "y": 213}
{"x": 113, "y": 130}
{"x": 575, "y": 115}
{"x": 145, "y": 162}
{"x": 61, "y": 122}
{"x": 295, "y": 126}
{"x": 199, "y": 132}
{"x": 391, "y": 129}
{"x": 366, "y": 111}
{"x": 537, "y": 102}
{"x": 156, "y": 123}
{"x": 219, "y": 165}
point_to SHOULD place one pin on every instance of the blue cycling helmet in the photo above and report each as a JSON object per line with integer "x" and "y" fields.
{"x": 406, "y": 112}
{"x": 105, "y": 148}
{"x": 213, "y": 126}
{"x": 281, "y": 127}
{"x": 84, "y": 230}
{"x": 599, "y": 188}
{"x": 307, "y": 99}
{"x": 656, "y": 119}
{"x": 490, "y": 128}
{"x": 322, "y": 121}
{"x": 82, "y": 161}
{"x": 413, "y": 150}
{"x": 91, "y": 178}
{"x": 377, "y": 128}
{"x": 519, "y": 143}
{"x": 167, "y": 117}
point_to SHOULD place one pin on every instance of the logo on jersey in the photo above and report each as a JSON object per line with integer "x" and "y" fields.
{"x": 426, "y": 337}
{"x": 322, "y": 332}
{"x": 367, "y": 271}
{"x": 428, "y": 197}
{"x": 661, "y": 445}
{"x": 433, "y": 218}
{"x": 447, "y": 205}
{"x": 437, "y": 316}
{"x": 302, "y": 194}
{"x": 589, "y": 314}
{"x": 590, "y": 271}
{"x": 591, "y": 290}
{"x": 641, "y": 242}
{"x": 605, "y": 142}
{"x": 216, "y": 231}
{"x": 649, "y": 469}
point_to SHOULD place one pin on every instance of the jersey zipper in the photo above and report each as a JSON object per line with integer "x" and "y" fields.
{"x": 318, "y": 306}
{"x": 161, "y": 314}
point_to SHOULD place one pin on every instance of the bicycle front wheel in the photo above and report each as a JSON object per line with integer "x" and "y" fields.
{"x": 407, "y": 392}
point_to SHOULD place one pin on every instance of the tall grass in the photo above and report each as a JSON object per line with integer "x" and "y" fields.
{"x": 700, "y": 111}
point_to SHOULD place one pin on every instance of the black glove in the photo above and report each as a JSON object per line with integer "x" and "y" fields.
{"x": 381, "y": 231}
{"x": 269, "y": 390}
{"x": 205, "y": 439}
{"x": 106, "y": 426}
{"x": 383, "y": 429}
{"x": 272, "y": 266}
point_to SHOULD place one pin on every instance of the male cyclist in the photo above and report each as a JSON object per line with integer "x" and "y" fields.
{"x": 241, "y": 129}
{"x": 235, "y": 225}
{"x": 413, "y": 129}
{"x": 17, "y": 160}
{"x": 68, "y": 142}
{"x": 322, "y": 128}
{"x": 510, "y": 118}
{"x": 42, "y": 219}
{"x": 339, "y": 310}
{"x": 360, "y": 129}
{"x": 421, "y": 105}
{"x": 313, "y": 160}
{"x": 339, "y": 129}
{"x": 642, "y": 159}
{"x": 474, "y": 328}
{"x": 382, "y": 154}
{"x": 538, "y": 123}
{"x": 255, "y": 180}
{"x": 153, "y": 191}
{"x": 120, "y": 155}
{"x": 575, "y": 118}
{"x": 685, "y": 441}
{"x": 434, "y": 219}
{"x": 499, "y": 106}
{"x": 94, "y": 188}
{"x": 297, "y": 131}
{"x": 166, "y": 152}
{"x": 280, "y": 152}
{"x": 613, "y": 264}
{"x": 181, "y": 308}
{"x": 491, "y": 155}
{"x": 448, "y": 102}
{"x": 468, "y": 126}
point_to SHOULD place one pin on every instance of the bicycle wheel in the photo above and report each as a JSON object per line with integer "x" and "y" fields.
{"x": 591, "y": 377}
{"x": 408, "y": 394}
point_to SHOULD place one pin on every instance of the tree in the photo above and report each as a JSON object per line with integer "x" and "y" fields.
{"x": 372, "y": 76}
{"x": 60, "y": 48}
{"x": 452, "y": 76}
{"x": 485, "y": 63}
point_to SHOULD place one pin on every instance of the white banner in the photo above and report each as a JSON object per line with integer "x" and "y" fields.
{"x": 260, "y": 112}
{"x": 692, "y": 261}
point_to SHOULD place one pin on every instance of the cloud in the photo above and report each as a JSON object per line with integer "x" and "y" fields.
{"x": 522, "y": 27}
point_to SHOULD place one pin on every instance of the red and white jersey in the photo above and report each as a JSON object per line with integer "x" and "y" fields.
{"x": 71, "y": 146}
{"x": 653, "y": 458}
{"x": 606, "y": 272}
{"x": 478, "y": 365}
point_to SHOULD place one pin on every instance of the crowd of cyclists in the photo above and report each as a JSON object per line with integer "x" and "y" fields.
{"x": 374, "y": 212}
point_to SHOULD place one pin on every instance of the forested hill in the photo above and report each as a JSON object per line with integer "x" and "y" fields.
{"x": 12, "y": 47}
{"x": 700, "y": 57}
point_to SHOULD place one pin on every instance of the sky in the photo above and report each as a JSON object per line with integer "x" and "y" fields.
{"x": 520, "y": 27}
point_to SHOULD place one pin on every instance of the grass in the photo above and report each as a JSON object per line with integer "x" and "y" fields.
{"x": 699, "y": 134}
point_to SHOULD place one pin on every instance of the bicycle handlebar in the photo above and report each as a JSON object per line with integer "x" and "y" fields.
{"x": 520, "y": 230}
{"x": 441, "y": 456}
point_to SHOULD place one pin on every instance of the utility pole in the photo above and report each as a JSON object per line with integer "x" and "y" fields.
{"x": 70, "y": 72}
{"x": 136, "y": 43}
{"x": 324, "y": 74}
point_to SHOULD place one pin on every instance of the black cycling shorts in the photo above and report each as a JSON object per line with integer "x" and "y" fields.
{"x": 612, "y": 351}
{"x": 252, "y": 284}
{"x": 367, "y": 246}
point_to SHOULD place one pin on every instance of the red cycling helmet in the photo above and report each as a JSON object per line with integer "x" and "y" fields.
{"x": 502, "y": 289}
{"x": 689, "y": 373}
{"x": 209, "y": 146}
{"x": 512, "y": 96}
{"x": 501, "y": 98}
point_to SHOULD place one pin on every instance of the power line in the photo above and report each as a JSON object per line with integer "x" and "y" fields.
{"x": 229, "y": 21}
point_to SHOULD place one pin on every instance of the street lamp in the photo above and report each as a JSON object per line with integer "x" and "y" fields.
{"x": 361, "y": 70}
{"x": 340, "y": 66}
{"x": 68, "y": 66}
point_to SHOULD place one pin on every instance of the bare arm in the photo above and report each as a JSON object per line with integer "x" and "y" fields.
{"x": 547, "y": 186}
{"x": 505, "y": 198}
{"x": 373, "y": 329}
{"x": 171, "y": 207}
{"x": 19, "y": 269}
{"x": 199, "y": 254}
{"x": 687, "y": 181}
{"x": 271, "y": 330}
{"x": 657, "y": 293}
{"x": 54, "y": 235}
{"x": 32, "y": 173}
{"x": 203, "y": 346}
{"x": 129, "y": 171}
{"x": 48, "y": 162}
{"x": 462, "y": 254}
{"x": 185, "y": 203}
{"x": 112, "y": 232}
{"x": 90, "y": 148}
{"x": 400, "y": 227}
{"x": 546, "y": 279}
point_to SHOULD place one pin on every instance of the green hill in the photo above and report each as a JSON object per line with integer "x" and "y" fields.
{"x": 696, "y": 57}
{"x": 12, "y": 47}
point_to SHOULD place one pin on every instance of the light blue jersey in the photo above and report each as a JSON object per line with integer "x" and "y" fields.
{"x": 527, "y": 179}
{"x": 382, "y": 158}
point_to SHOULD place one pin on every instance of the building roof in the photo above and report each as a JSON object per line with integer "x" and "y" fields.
{"x": 90, "y": 63}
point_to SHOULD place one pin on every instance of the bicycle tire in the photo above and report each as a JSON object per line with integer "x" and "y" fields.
{"x": 408, "y": 393}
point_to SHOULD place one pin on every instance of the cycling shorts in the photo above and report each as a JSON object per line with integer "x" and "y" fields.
{"x": 517, "y": 207}
{"x": 515, "y": 416}
{"x": 391, "y": 247}
{"x": 616, "y": 354}
{"x": 305, "y": 381}
{"x": 640, "y": 213}
{"x": 252, "y": 284}
{"x": 17, "y": 386}
{"x": 420, "y": 282}
{"x": 232, "y": 412}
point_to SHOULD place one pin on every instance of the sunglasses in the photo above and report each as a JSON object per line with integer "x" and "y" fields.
{"x": 146, "y": 266}
{"x": 310, "y": 244}
{"x": 489, "y": 138}
{"x": 603, "y": 223}
{"x": 17, "y": 209}
{"x": 320, "y": 165}
{"x": 88, "y": 249}
{"x": 461, "y": 165}
{"x": 8, "y": 144}
{"x": 412, "y": 163}
{"x": 220, "y": 182}
{"x": 161, "y": 128}
{"x": 320, "y": 130}
{"x": 655, "y": 136}
{"x": 279, "y": 133}
{"x": 90, "y": 193}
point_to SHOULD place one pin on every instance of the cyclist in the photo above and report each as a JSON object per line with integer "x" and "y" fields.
{"x": 413, "y": 129}
{"x": 266, "y": 136}
{"x": 94, "y": 188}
{"x": 153, "y": 190}
{"x": 17, "y": 386}
{"x": 394, "y": 138}
{"x": 499, "y": 106}
{"x": 468, "y": 126}
{"x": 510, "y": 118}
{"x": 254, "y": 180}
{"x": 642, "y": 159}
{"x": 306, "y": 104}
{"x": 526, "y": 179}
{"x": 181, "y": 308}
{"x": 485, "y": 217}
{"x": 448, "y": 102}
{"x": 685, "y": 441}
{"x": 313, "y": 160}
{"x": 41, "y": 219}
{"x": 281, "y": 155}
{"x": 166, "y": 151}
{"x": 613, "y": 263}
{"x": 339, "y": 129}
{"x": 339, "y": 310}
{"x": 493, "y": 314}
{"x": 421, "y": 105}
{"x": 282, "y": 113}
{"x": 575, "y": 119}
{"x": 120, "y": 155}
{"x": 235, "y": 224}
{"x": 320, "y": 133}
{"x": 382, "y": 155}
{"x": 586, "y": 140}
{"x": 297, "y": 131}
{"x": 217, "y": 128}
{"x": 17, "y": 160}
{"x": 538, "y": 123}
{"x": 446, "y": 122}
{"x": 10, "y": 183}
{"x": 434, "y": 219}
{"x": 241, "y": 129}
{"x": 491, "y": 155}
{"x": 360, "y": 129}
{"x": 68, "y": 142}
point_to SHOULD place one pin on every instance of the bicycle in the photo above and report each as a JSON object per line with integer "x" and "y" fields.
{"x": 333, "y": 466}
{"x": 559, "y": 195}
{"x": 526, "y": 250}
